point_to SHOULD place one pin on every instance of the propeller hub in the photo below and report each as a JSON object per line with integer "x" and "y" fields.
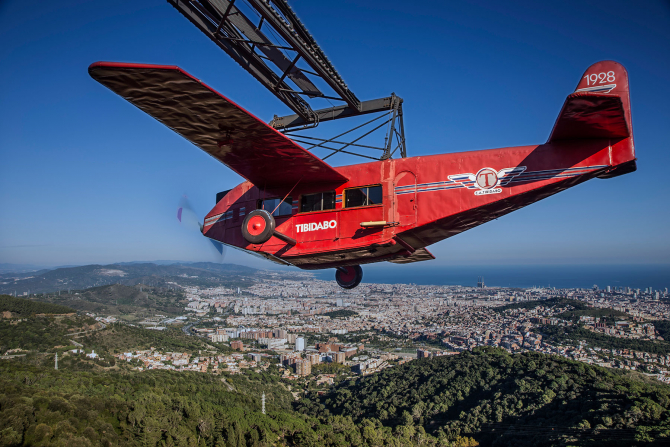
{"x": 256, "y": 225}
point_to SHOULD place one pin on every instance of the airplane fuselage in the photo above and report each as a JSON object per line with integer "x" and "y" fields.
{"x": 424, "y": 200}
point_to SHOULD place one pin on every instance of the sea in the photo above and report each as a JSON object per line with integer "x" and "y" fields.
{"x": 522, "y": 276}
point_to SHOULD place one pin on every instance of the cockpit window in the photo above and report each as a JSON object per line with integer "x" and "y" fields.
{"x": 284, "y": 209}
{"x": 317, "y": 202}
{"x": 364, "y": 196}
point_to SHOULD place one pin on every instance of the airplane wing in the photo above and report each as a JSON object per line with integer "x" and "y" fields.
{"x": 598, "y": 108}
{"x": 215, "y": 124}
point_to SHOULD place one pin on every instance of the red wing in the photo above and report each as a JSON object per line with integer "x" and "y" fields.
{"x": 216, "y": 125}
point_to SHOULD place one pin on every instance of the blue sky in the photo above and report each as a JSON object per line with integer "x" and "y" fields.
{"x": 87, "y": 178}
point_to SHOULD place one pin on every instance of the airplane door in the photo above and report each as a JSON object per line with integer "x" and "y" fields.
{"x": 404, "y": 187}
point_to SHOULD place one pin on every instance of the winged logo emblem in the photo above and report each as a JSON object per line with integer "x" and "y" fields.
{"x": 487, "y": 180}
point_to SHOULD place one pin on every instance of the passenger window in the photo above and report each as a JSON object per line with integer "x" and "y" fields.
{"x": 367, "y": 195}
{"x": 269, "y": 205}
{"x": 317, "y": 202}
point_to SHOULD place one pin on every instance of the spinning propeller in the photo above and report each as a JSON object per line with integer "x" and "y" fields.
{"x": 189, "y": 219}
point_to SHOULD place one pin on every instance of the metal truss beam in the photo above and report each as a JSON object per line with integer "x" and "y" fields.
{"x": 276, "y": 55}
{"x": 291, "y": 29}
{"x": 235, "y": 34}
{"x": 333, "y": 113}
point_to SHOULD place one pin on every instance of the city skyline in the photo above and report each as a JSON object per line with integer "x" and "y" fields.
{"x": 277, "y": 317}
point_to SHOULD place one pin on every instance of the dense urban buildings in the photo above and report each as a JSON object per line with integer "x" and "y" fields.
{"x": 305, "y": 323}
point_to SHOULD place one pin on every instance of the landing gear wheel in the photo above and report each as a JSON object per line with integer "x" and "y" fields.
{"x": 258, "y": 227}
{"x": 349, "y": 277}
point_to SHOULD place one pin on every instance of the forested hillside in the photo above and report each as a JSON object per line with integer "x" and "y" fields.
{"x": 118, "y": 299}
{"x": 43, "y": 407}
{"x": 116, "y": 338}
{"x": 503, "y": 399}
{"x": 19, "y": 307}
{"x": 32, "y": 326}
{"x": 487, "y": 397}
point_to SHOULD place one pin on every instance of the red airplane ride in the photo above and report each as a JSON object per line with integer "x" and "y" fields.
{"x": 295, "y": 209}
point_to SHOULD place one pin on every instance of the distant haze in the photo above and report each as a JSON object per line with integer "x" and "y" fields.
{"x": 523, "y": 276}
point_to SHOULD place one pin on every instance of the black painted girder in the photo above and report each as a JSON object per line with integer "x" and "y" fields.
{"x": 266, "y": 46}
{"x": 208, "y": 18}
{"x": 295, "y": 33}
{"x": 333, "y": 113}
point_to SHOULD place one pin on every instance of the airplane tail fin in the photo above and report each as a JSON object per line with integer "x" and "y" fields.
{"x": 599, "y": 108}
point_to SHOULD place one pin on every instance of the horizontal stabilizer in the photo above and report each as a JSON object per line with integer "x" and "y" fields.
{"x": 215, "y": 124}
{"x": 599, "y": 107}
{"x": 420, "y": 254}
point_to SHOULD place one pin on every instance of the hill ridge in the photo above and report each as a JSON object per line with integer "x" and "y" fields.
{"x": 506, "y": 399}
{"x": 92, "y": 275}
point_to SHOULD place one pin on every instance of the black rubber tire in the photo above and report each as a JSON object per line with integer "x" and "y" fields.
{"x": 349, "y": 279}
{"x": 260, "y": 235}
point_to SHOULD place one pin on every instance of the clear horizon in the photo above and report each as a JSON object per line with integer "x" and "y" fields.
{"x": 564, "y": 276}
{"x": 273, "y": 266}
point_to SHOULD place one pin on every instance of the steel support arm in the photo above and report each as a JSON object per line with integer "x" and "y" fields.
{"x": 212, "y": 23}
{"x": 299, "y": 38}
{"x": 333, "y": 113}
